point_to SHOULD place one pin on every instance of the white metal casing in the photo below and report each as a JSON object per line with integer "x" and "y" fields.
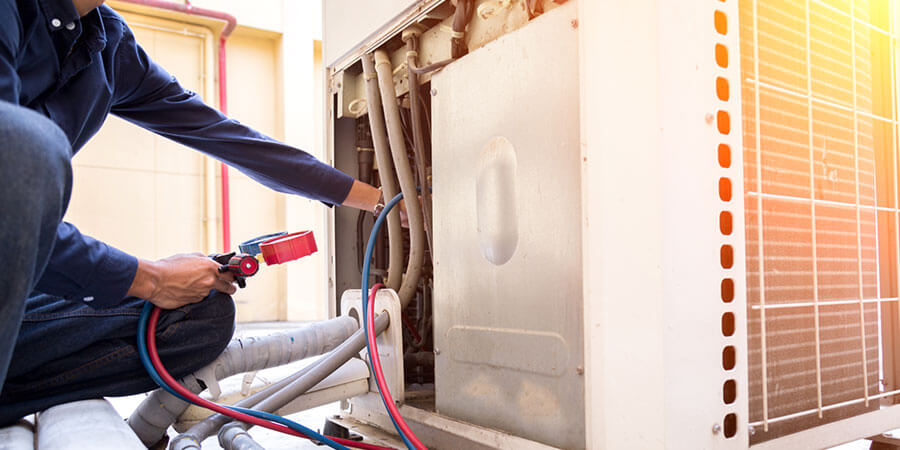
{"x": 652, "y": 264}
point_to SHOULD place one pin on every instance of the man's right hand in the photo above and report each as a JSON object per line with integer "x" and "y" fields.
{"x": 179, "y": 280}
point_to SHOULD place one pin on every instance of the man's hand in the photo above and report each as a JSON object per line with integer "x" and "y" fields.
{"x": 179, "y": 280}
{"x": 363, "y": 196}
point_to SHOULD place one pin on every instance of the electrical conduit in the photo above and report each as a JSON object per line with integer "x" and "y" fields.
{"x": 405, "y": 175}
{"x": 385, "y": 171}
{"x": 415, "y": 114}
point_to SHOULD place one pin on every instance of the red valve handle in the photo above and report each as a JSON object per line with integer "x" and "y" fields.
{"x": 246, "y": 265}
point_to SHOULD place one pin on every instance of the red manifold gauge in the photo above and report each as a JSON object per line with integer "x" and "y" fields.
{"x": 288, "y": 247}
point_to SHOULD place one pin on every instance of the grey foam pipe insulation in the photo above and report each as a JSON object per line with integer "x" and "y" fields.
{"x": 160, "y": 409}
{"x": 385, "y": 172}
{"x": 404, "y": 173}
{"x": 235, "y": 437}
{"x": 191, "y": 438}
{"x": 18, "y": 436}
{"x": 279, "y": 394}
{"x": 86, "y": 424}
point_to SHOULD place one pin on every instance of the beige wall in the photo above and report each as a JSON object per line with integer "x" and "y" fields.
{"x": 154, "y": 198}
{"x": 137, "y": 191}
{"x": 253, "y": 99}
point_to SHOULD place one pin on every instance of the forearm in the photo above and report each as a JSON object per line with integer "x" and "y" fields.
{"x": 146, "y": 280}
{"x": 362, "y": 196}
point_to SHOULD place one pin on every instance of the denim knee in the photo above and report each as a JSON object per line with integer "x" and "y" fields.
{"x": 37, "y": 154}
{"x": 214, "y": 319}
{"x": 220, "y": 310}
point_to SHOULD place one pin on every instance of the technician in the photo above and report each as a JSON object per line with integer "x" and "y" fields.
{"x": 69, "y": 303}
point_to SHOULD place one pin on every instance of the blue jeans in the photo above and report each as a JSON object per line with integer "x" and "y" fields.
{"x": 54, "y": 351}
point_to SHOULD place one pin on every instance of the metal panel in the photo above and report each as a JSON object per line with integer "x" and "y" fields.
{"x": 508, "y": 288}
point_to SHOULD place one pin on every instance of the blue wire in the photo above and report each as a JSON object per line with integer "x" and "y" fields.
{"x": 365, "y": 299}
{"x": 144, "y": 355}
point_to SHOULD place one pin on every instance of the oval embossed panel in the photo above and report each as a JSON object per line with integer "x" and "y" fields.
{"x": 495, "y": 203}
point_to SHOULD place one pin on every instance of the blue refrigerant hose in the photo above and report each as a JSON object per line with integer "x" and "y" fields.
{"x": 365, "y": 293}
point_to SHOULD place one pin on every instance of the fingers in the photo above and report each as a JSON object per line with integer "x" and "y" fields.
{"x": 220, "y": 281}
{"x": 224, "y": 286}
{"x": 227, "y": 276}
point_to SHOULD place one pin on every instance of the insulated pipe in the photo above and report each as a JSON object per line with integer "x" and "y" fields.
{"x": 385, "y": 171}
{"x": 257, "y": 353}
{"x": 230, "y": 24}
{"x": 283, "y": 392}
{"x": 84, "y": 424}
{"x": 206, "y": 427}
{"x": 405, "y": 175}
{"x": 160, "y": 409}
{"x": 18, "y": 436}
{"x": 234, "y": 437}
{"x": 412, "y": 40}
{"x": 326, "y": 366}
{"x": 154, "y": 415}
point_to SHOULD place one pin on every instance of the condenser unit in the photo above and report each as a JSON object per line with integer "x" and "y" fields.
{"x": 654, "y": 224}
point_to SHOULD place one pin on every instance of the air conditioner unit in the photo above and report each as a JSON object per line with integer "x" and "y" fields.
{"x": 655, "y": 224}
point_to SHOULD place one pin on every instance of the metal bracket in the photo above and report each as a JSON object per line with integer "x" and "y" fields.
{"x": 390, "y": 342}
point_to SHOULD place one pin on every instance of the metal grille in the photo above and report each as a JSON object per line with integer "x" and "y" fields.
{"x": 820, "y": 179}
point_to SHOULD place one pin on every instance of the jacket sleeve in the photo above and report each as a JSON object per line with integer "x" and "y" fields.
{"x": 10, "y": 29}
{"x": 84, "y": 269}
{"x": 80, "y": 268}
{"x": 146, "y": 95}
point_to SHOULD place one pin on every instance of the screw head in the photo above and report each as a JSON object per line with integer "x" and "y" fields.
{"x": 751, "y": 429}
{"x": 716, "y": 428}
{"x": 579, "y": 370}
{"x": 433, "y": 92}
{"x": 437, "y": 351}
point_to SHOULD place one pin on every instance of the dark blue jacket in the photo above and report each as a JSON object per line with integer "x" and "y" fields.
{"x": 76, "y": 70}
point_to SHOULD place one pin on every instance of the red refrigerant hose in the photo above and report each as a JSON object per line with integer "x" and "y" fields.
{"x": 174, "y": 384}
{"x": 379, "y": 375}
